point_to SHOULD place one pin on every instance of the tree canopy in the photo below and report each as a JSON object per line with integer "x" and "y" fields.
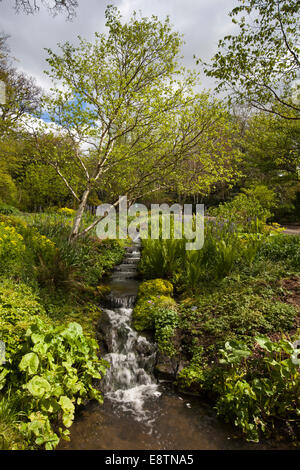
{"x": 130, "y": 110}
{"x": 260, "y": 65}
{"x": 30, "y": 7}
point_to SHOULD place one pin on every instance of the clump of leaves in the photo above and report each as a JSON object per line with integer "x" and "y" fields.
{"x": 51, "y": 374}
{"x": 255, "y": 402}
{"x": 165, "y": 323}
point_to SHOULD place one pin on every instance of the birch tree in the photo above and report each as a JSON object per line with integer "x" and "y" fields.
{"x": 128, "y": 107}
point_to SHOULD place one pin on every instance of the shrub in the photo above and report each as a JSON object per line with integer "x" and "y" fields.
{"x": 249, "y": 207}
{"x": 10, "y": 416}
{"x": 254, "y": 402}
{"x": 145, "y": 310}
{"x": 6, "y": 209}
{"x": 225, "y": 249}
{"x": 166, "y": 321}
{"x": 41, "y": 247}
{"x": 53, "y": 372}
{"x": 284, "y": 248}
{"x": 19, "y": 305}
{"x": 12, "y": 250}
{"x": 161, "y": 257}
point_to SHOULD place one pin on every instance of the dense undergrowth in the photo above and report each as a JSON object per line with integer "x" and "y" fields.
{"x": 235, "y": 322}
{"x": 49, "y": 296}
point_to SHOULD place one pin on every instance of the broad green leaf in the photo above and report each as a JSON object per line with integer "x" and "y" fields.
{"x": 29, "y": 363}
{"x": 38, "y": 386}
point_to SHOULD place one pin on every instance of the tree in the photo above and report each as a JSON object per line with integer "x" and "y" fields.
{"x": 272, "y": 156}
{"x": 23, "y": 96}
{"x": 215, "y": 159}
{"x": 54, "y": 7}
{"x": 129, "y": 109}
{"x": 261, "y": 65}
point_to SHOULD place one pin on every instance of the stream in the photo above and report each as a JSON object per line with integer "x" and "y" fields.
{"x": 140, "y": 413}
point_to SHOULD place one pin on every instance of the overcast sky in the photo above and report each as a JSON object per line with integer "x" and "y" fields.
{"x": 203, "y": 23}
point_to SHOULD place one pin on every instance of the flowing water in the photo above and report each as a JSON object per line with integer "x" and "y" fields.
{"x": 138, "y": 412}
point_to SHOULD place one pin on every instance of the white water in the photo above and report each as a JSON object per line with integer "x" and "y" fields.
{"x": 129, "y": 381}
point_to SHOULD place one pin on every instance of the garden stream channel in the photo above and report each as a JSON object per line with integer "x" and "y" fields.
{"x": 140, "y": 411}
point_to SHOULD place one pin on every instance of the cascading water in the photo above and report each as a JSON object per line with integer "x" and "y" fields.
{"x": 129, "y": 381}
{"x": 136, "y": 414}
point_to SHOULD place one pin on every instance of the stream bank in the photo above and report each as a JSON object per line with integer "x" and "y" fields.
{"x": 141, "y": 411}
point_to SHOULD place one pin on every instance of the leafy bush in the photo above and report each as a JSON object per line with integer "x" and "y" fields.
{"x": 10, "y": 416}
{"x": 161, "y": 258}
{"x": 225, "y": 249}
{"x": 19, "y": 306}
{"x": 166, "y": 321}
{"x": 52, "y": 372}
{"x": 249, "y": 207}
{"x": 155, "y": 287}
{"x": 253, "y": 401}
{"x": 284, "y": 248}
{"x": 87, "y": 259}
{"x": 236, "y": 309}
{"x": 6, "y": 209}
{"x": 254, "y": 388}
{"x": 12, "y": 250}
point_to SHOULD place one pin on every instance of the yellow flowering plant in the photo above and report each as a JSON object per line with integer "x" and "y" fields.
{"x": 67, "y": 212}
{"x": 12, "y": 246}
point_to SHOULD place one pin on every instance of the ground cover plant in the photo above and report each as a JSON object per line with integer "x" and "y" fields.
{"x": 234, "y": 322}
{"x": 49, "y": 297}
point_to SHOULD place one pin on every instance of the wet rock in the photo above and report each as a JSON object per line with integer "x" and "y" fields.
{"x": 166, "y": 367}
{"x": 144, "y": 347}
{"x": 103, "y": 332}
{"x": 182, "y": 365}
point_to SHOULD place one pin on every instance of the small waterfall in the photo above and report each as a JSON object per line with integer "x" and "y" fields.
{"x": 129, "y": 381}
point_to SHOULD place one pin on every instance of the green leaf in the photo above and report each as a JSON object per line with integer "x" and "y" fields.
{"x": 29, "y": 363}
{"x": 38, "y": 386}
{"x": 68, "y": 410}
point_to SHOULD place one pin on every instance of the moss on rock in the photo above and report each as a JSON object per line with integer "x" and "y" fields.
{"x": 153, "y": 295}
{"x": 155, "y": 287}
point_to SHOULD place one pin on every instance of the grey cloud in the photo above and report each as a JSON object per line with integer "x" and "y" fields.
{"x": 202, "y": 22}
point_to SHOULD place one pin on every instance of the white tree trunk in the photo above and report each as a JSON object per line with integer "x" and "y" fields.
{"x": 78, "y": 218}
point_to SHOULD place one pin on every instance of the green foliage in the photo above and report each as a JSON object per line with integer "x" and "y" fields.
{"x": 248, "y": 208}
{"x": 50, "y": 368}
{"x": 255, "y": 401}
{"x": 8, "y": 210}
{"x": 155, "y": 309}
{"x": 260, "y": 63}
{"x": 19, "y": 306}
{"x": 8, "y": 190}
{"x": 10, "y": 416}
{"x": 225, "y": 249}
{"x": 83, "y": 262}
{"x": 155, "y": 287}
{"x": 145, "y": 310}
{"x": 161, "y": 257}
{"x": 195, "y": 375}
{"x": 282, "y": 248}
{"x": 166, "y": 321}
{"x": 237, "y": 308}
{"x": 12, "y": 249}
{"x": 52, "y": 372}
{"x": 272, "y": 159}
{"x": 67, "y": 212}
{"x": 153, "y": 297}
